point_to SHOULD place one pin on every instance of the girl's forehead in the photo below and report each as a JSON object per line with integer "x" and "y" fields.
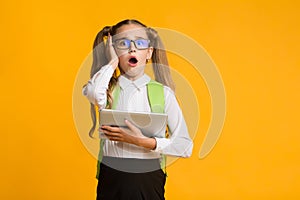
{"x": 131, "y": 30}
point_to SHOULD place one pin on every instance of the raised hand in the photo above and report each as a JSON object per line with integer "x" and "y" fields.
{"x": 111, "y": 53}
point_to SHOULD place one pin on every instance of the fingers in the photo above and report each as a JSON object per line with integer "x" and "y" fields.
{"x": 135, "y": 131}
{"x": 109, "y": 45}
{"x": 124, "y": 134}
{"x": 110, "y": 129}
{"x": 111, "y": 53}
{"x": 131, "y": 126}
{"x": 112, "y": 133}
{"x": 109, "y": 40}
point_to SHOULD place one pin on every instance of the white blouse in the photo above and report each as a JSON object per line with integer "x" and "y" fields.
{"x": 133, "y": 97}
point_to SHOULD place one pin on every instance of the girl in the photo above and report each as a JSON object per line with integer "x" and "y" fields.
{"x": 124, "y": 49}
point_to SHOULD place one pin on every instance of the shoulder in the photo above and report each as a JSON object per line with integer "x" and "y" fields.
{"x": 168, "y": 92}
{"x": 169, "y": 95}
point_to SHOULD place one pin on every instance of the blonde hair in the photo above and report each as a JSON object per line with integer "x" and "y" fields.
{"x": 159, "y": 61}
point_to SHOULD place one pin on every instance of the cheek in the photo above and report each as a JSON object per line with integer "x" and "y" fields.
{"x": 122, "y": 63}
{"x": 120, "y": 53}
{"x": 122, "y": 59}
{"x": 143, "y": 56}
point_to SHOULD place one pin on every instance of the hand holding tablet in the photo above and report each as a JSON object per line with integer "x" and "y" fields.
{"x": 150, "y": 124}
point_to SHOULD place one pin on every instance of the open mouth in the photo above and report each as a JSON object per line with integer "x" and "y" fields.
{"x": 133, "y": 60}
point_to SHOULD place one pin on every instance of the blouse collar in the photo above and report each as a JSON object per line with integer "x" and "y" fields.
{"x": 138, "y": 83}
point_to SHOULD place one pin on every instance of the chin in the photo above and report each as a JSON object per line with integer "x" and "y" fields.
{"x": 134, "y": 73}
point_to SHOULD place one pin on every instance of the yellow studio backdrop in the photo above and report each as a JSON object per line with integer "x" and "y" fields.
{"x": 255, "y": 45}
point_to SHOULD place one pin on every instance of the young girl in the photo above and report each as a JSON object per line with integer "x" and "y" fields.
{"x": 120, "y": 54}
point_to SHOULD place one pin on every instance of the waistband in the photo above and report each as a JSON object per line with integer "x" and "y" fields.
{"x": 131, "y": 165}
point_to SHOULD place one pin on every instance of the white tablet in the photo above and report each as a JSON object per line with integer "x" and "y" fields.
{"x": 151, "y": 124}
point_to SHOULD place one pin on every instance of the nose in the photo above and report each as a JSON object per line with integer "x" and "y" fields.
{"x": 132, "y": 47}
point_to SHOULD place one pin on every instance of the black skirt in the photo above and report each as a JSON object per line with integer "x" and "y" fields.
{"x": 141, "y": 184}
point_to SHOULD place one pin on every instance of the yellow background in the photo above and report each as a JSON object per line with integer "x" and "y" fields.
{"x": 255, "y": 45}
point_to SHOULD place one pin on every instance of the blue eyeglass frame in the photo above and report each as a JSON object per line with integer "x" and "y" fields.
{"x": 134, "y": 42}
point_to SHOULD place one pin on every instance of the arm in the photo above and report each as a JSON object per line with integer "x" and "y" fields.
{"x": 179, "y": 143}
{"x": 95, "y": 89}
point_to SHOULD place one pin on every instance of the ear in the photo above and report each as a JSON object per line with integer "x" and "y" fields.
{"x": 149, "y": 53}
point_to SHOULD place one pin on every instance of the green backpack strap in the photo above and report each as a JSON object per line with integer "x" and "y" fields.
{"x": 156, "y": 96}
{"x": 156, "y": 99}
{"x": 116, "y": 94}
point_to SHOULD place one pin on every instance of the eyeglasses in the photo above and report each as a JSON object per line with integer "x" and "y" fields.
{"x": 125, "y": 44}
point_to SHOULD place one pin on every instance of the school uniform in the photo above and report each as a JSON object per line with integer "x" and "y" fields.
{"x": 128, "y": 171}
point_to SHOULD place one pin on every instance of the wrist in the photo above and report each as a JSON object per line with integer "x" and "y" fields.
{"x": 148, "y": 143}
{"x": 134, "y": 140}
{"x": 114, "y": 63}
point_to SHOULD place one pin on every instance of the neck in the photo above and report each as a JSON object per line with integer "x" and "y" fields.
{"x": 132, "y": 78}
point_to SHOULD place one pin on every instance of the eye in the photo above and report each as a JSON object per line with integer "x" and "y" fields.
{"x": 142, "y": 43}
{"x": 123, "y": 43}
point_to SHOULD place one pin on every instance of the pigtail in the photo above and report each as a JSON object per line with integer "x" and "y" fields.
{"x": 159, "y": 60}
{"x": 94, "y": 120}
{"x": 100, "y": 60}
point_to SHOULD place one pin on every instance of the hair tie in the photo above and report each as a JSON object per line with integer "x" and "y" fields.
{"x": 153, "y": 32}
{"x": 106, "y": 30}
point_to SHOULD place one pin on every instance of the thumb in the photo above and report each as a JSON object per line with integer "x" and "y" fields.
{"x": 130, "y": 125}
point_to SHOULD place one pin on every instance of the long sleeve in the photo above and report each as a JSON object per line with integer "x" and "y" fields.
{"x": 179, "y": 143}
{"x": 95, "y": 89}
